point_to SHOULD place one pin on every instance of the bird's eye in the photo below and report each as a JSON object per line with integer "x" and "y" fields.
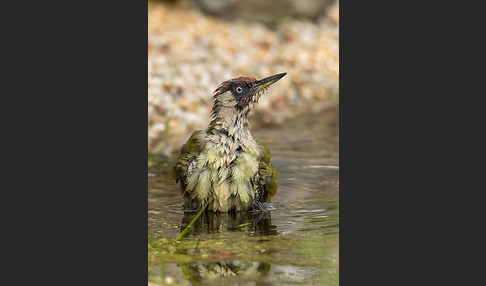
{"x": 239, "y": 89}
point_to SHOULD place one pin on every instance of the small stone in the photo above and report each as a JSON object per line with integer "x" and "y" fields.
{"x": 190, "y": 54}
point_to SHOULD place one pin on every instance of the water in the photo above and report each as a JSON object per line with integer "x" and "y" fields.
{"x": 295, "y": 244}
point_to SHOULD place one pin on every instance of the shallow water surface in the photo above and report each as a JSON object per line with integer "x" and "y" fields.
{"x": 294, "y": 244}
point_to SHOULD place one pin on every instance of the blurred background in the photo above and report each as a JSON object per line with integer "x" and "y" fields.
{"x": 194, "y": 45}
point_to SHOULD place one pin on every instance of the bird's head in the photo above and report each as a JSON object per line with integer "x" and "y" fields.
{"x": 242, "y": 92}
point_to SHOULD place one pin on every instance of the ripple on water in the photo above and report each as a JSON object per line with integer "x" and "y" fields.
{"x": 297, "y": 239}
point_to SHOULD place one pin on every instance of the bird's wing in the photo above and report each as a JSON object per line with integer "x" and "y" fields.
{"x": 189, "y": 152}
{"x": 267, "y": 174}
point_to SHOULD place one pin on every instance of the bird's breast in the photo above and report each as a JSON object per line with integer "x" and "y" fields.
{"x": 225, "y": 170}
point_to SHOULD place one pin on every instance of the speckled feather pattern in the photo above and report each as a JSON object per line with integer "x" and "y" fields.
{"x": 224, "y": 161}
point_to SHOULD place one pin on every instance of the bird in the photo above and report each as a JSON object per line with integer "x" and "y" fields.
{"x": 223, "y": 166}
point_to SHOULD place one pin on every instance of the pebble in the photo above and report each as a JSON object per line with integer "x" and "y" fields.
{"x": 190, "y": 54}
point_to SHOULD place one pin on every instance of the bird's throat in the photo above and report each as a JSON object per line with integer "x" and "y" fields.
{"x": 229, "y": 123}
{"x": 231, "y": 134}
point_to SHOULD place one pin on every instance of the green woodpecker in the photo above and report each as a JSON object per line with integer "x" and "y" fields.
{"x": 225, "y": 162}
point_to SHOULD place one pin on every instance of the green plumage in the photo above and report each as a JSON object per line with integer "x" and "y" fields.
{"x": 224, "y": 162}
{"x": 246, "y": 183}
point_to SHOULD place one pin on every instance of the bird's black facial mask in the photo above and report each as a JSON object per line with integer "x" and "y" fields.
{"x": 246, "y": 89}
{"x": 242, "y": 92}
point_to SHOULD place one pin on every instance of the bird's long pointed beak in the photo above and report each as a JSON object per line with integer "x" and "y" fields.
{"x": 263, "y": 83}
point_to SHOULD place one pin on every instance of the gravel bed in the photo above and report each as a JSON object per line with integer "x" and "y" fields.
{"x": 190, "y": 54}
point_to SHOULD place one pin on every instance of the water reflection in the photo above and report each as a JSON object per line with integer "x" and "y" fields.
{"x": 223, "y": 263}
{"x": 254, "y": 223}
{"x": 244, "y": 248}
{"x": 210, "y": 271}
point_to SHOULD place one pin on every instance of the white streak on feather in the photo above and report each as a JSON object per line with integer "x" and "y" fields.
{"x": 203, "y": 187}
